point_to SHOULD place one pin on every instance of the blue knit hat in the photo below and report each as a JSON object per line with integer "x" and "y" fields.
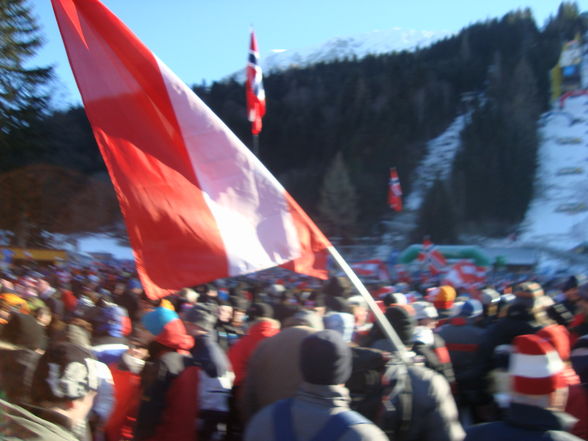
{"x": 154, "y": 321}
{"x": 341, "y": 322}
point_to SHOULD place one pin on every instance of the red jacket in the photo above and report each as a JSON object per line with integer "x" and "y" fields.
{"x": 577, "y": 406}
{"x": 127, "y": 393}
{"x": 240, "y": 352}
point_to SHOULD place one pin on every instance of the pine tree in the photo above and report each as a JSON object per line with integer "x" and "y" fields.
{"x": 338, "y": 200}
{"x": 21, "y": 95}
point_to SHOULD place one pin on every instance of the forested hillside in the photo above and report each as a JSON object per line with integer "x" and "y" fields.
{"x": 333, "y": 130}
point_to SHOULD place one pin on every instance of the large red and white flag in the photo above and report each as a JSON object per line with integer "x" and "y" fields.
{"x": 254, "y": 91}
{"x": 197, "y": 203}
{"x": 394, "y": 191}
{"x": 432, "y": 258}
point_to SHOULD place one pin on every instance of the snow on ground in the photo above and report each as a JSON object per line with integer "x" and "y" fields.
{"x": 102, "y": 243}
{"x": 558, "y": 214}
{"x": 437, "y": 162}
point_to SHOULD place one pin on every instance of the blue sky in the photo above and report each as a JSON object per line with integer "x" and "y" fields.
{"x": 208, "y": 39}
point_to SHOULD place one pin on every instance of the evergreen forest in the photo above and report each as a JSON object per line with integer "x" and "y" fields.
{"x": 330, "y": 134}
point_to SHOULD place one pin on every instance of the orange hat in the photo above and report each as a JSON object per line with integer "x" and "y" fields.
{"x": 16, "y": 302}
{"x": 445, "y": 297}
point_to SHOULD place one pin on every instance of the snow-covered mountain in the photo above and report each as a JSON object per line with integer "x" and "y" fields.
{"x": 340, "y": 48}
{"x": 371, "y": 43}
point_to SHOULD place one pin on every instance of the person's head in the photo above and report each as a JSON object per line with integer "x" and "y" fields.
{"x": 65, "y": 380}
{"x": 199, "y": 320}
{"x": 23, "y": 331}
{"x": 167, "y": 330}
{"x": 43, "y": 315}
{"x": 325, "y": 359}
{"x": 536, "y": 372}
{"x": 402, "y": 322}
{"x": 570, "y": 288}
{"x": 342, "y": 322}
{"x": 583, "y": 299}
{"x": 425, "y": 314}
{"x": 260, "y": 310}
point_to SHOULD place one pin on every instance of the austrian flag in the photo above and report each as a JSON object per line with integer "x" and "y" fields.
{"x": 197, "y": 203}
{"x": 254, "y": 91}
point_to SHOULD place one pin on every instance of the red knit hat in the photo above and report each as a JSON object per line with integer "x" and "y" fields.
{"x": 535, "y": 366}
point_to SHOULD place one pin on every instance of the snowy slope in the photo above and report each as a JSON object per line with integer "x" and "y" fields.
{"x": 437, "y": 162}
{"x": 558, "y": 215}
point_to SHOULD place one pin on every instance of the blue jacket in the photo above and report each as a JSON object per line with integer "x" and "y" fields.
{"x": 525, "y": 423}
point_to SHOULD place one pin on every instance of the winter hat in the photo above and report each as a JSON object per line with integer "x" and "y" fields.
{"x": 337, "y": 304}
{"x": 65, "y": 372}
{"x": 395, "y": 298}
{"x": 559, "y": 337}
{"x": 579, "y": 358}
{"x": 570, "y": 283}
{"x": 490, "y": 296}
{"x": 108, "y": 321}
{"x": 325, "y": 358}
{"x": 304, "y": 317}
{"x": 528, "y": 294}
{"x": 154, "y": 321}
{"x": 535, "y": 367}
{"x": 260, "y": 310}
{"x": 445, "y": 297}
{"x": 402, "y": 322}
{"x": 423, "y": 335}
{"x": 23, "y": 330}
{"x": 471, "y": 308}
{"x": 424, "y": 310}
{"x": 168, "y": 328}
{"x": 341, "y": 322}
{"x": 189, "y": 295}
{"x": 201, "y": 316}
{"x": 14, "y": 302}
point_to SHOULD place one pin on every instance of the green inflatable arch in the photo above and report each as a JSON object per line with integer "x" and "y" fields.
{"x": 450, "y": 252}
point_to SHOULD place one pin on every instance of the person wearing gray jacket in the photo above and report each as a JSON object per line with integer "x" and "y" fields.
{"x": 320, "y": 409}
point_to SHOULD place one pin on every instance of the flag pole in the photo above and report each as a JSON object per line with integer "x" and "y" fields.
{"x": 380, "y": 318}
{"x": 256, "y": 145}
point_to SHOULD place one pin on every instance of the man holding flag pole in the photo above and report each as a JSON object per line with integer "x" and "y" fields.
{"x": 254, "y": 92}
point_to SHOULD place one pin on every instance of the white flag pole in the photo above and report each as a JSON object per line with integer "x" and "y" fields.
{"x": 381, "y": 320}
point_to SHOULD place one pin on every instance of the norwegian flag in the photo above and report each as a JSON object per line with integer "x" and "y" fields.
{"x": 465, "y": 274}
{"x": 254, "y": 91}
{"x": 394, "y": 191}
{"x": 432, "y": 258}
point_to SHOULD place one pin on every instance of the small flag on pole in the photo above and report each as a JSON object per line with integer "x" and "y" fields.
{"x": 197, "y": 203}
{"x": 432, "y": 258}
{"x": 254, "y": 91}
{"x": 394, "y": 191}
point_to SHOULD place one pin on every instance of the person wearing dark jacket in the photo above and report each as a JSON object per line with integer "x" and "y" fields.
{"x": 520, "y": 319}
{"x": 321, "y": 402}
{"x": 21, "y": 343}
{"x": 169, "y": 381}
{"x": 215, "y": 376}
{"x": 538, "y": 399}
{"x": 63, "y": 390}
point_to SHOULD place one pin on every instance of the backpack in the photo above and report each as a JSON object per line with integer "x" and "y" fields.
{"x": 396, "y": 400}
{"x": 332, "y": 430}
